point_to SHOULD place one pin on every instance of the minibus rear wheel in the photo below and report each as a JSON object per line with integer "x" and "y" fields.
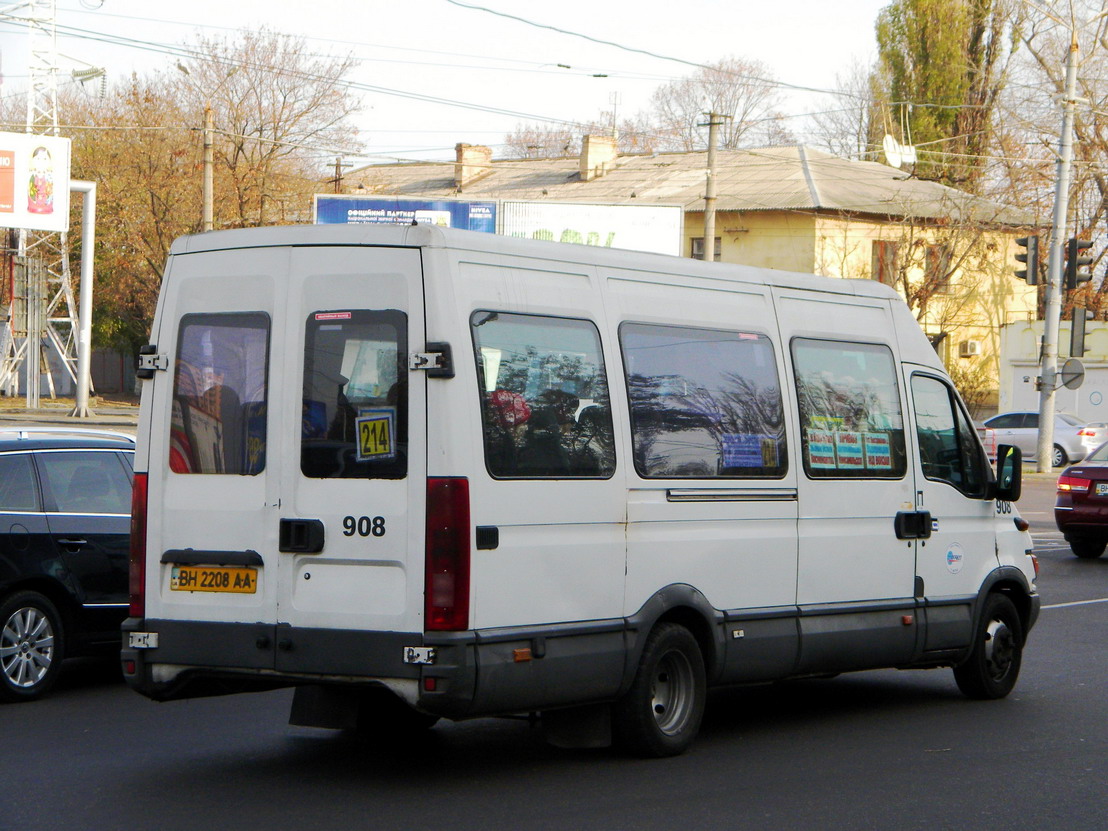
{"x": 661, "y": 713}
{"x": 994, "y": 663}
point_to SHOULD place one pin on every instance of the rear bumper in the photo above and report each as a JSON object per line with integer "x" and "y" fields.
{"x": 471, "y": 673}
{"x": 1084, "y": 517}
{"x": 191, "y": 655}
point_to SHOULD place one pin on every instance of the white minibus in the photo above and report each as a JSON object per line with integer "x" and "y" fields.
{"x": 416, "y": 473}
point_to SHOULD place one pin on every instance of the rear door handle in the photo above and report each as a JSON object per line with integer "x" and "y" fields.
{"x": 300, "y": 536}
{"x": 74, "y": 543}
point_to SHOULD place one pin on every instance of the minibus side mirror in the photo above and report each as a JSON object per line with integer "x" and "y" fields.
{"x": 1009, "y": 473}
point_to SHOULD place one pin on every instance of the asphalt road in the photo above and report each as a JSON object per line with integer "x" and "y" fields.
{"x": 874, "y": 750}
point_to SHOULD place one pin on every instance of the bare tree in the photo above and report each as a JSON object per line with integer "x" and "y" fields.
{"x": 852, "y": 126}
{"x": 275, "y": 106}
{"x": 1032, "y": 121}
{"x": 743, "y": 90}
{"x": 279, "y": 112}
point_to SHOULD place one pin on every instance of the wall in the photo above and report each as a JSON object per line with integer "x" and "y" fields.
{"x": 766, "y": 239}
{"x": 1020, "y": 368}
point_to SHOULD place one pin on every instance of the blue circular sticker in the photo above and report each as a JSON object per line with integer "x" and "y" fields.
{"x": 954, "y": 558}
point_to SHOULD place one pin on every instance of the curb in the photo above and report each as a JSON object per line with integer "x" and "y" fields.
{"x": 125, "y": 419}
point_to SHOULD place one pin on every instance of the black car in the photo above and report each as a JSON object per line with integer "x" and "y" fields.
{"x": 65, "y": 505}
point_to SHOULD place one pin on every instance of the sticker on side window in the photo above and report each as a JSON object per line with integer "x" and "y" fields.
{"x": 376, "y": 431}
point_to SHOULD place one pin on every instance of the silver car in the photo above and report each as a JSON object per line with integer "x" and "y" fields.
{"x": 1093, "y": 435}
{"x": 1022, "y": 430}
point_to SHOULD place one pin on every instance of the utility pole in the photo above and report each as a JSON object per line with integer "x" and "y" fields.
{"x": 710, "y": 188}
{"x": 1048, "y": 377}
{"x": 209, "y": 162}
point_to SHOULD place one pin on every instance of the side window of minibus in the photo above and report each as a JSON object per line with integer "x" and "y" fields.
{"x": 948, "y": 446}
{"x": 851, "y": 421}
{"x": 544, "y": 397}
{"x": 705, "y": 403}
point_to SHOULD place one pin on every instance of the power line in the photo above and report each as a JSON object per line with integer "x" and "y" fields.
{"x": 646, "y": 52}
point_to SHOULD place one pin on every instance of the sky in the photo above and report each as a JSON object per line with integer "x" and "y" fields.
{"x": 506, "y": 72}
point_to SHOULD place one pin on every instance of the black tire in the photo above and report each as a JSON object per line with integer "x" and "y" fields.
{"x": 1058, "y": 456}
{"x": 32, "y": 645}
{"x": 994, "y": 663}
{"x": 660, "y": 715}
{"x": 1087, "y": 548}
{"x": 384, "y": 717}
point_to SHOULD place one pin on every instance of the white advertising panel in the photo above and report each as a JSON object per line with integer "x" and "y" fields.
{"x": 34, "y": 182}
{"x": 654, "y": 228}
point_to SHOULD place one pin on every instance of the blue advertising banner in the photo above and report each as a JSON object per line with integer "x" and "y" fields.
{"x": 373, "y": 210}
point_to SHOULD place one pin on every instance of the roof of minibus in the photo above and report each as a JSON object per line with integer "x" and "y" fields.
{"x": 432, "y": 236}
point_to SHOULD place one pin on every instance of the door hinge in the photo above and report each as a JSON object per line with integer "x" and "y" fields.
{"x": 437, "y": 360}
{"x": 149, "y": 362}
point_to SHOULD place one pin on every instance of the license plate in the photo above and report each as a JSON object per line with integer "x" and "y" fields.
{"x": 1101, "y": 488}
{"x": 214, "y": 579}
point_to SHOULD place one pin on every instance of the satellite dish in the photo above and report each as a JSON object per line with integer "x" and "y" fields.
{"x": 897, "y": 154}
{"x": 892, "y": 151}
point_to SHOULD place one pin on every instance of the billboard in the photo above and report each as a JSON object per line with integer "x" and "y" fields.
{"x": 390, "y": 210}
{"x": 654, "y": 228}
{"x": 34, "y": 182}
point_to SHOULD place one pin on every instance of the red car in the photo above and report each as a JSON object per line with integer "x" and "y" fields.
{"x": 1081, "y": 509}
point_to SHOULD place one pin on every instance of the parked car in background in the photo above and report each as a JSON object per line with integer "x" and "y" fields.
{"x": 1093, "y": 435}
{"x": 1022, "y": 430}
{"x": 1081, "y": 507}
{"x": 65, "y": 506}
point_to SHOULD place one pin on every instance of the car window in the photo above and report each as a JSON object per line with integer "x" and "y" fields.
{"x": 1031, "y": 421}
{"x": 1007, "y": 421}
{"x": 86, "y": 482}
{"x": 1098, "y": 455}
{"x": 17, "y": 483}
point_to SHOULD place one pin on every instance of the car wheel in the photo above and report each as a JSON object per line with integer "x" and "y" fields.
{"x": 1087, "y": 548}
{"x": 994, "y": 662}
{"x": 31, "y": 646}
{"x": 660, "y": 714}
{"x": 1059, "y": 457}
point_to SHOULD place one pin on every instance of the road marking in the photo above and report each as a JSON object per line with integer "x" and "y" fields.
{"x": 1076, "y": 603}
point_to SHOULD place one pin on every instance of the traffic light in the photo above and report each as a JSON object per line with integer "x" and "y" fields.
{"x": 1077, "y": 331}
{"x": 1076, "y": 262}
{"x": 1030, "y": 257}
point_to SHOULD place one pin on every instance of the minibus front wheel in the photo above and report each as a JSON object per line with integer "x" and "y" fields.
{"x": 660, "y": 714}
{"x": 994, "y": 662}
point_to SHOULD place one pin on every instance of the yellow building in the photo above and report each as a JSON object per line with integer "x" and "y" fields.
{"x": 950, "y": 254}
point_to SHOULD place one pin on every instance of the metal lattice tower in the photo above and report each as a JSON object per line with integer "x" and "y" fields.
{"x": 44, "y": 308}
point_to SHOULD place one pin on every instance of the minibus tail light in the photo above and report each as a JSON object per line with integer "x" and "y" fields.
{"x": 137, "y": 571}
{"x": 446, "y": 586}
